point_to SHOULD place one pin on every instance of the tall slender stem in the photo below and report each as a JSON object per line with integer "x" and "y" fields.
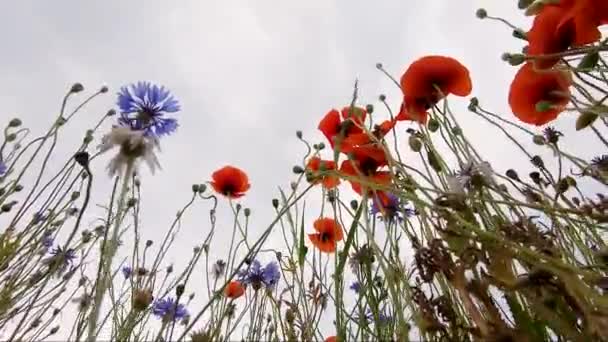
{"x": 107, "y": 255}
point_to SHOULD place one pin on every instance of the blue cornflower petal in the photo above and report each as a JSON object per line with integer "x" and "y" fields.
{"x": 3, "y": 168}
{"x": 356, "y": 286}
{"x": 258, "y": 276}
{"x": 167, "y": 310}
{"x": 127, "y": 271}
{"x": 143, "y": 106}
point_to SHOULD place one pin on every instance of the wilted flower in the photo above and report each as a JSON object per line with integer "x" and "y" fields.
{"x": 127, "y": 271}
{"x": 143, "y": 107}
{"x": 133, "y": 145}
{"x": 60, "y": 260}
{"x": 169, "y": 310}
{"x": 258, "y": 276}
{"x": 218, "y": 268}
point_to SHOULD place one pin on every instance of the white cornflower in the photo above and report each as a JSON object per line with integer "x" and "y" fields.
{"x": 133, "y": 146}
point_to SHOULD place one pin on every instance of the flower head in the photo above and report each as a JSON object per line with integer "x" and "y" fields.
{"x": 337, "y": 126}
{"x": 258, "y": 276}
{"x": 390, "y": 208}
{"x": 133, "y": 146}
{"x": 234, "y": 290}
{"x": 329, "y": 232}
{"x": 127, "y": 271}
{"x": 429, "y": 79}
{"x": 356, "y": 286}
{"x": 230, "y": 182}
{"x": 143, "y": 107}
{"x": 169, "y": 310}
{"x": 60, "y": 259}
{"x": 3, "y": 168}
{"x": 331, "y": 339}
{"x": 317, "y": 165}
{"x": 537, "y": 97}
{"x": 47, "y": 239}
{"x": 218, "y": 268}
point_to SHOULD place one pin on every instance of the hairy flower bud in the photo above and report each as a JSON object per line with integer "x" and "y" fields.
{"x": 14, "y": 123}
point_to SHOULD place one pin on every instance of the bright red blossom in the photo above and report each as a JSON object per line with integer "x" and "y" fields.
{"x": 531, "y": 88}
{"x": 340, "y": 125}
{"x": 234, "y": 290}
{"x": 230, "y": 182}
{"x": 329, "y": 232}
{"x": 427, "y": 81}
{"x": 331, "y": 339}
{"x": 316, "y": 164}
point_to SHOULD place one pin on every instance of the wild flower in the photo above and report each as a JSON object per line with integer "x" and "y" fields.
{"x": 258, "y": 276}
{"x": 539, "y": 97}
{"x": 59, "y": 259}
{"x": 316, "y": 165}
{"x": 134, "y": 145}
{"x": 230, "y": 182}
{"x": 329, "y": 232}
{"x": 470, "y": 174}
{"x": 143, "y": 107}
{"x": 218, "y": 268}
{"x": 340, "y": 125}
{"x": 427, "y": 80}
{"x": 127, "y": 271}
{"x": 47, "y": 239}
{"x": 234, "y": 290}
{"x": 3, "y": 168}
{"x": 390, "y": 208}
{"x": 356, "y": 286}
{"x": 169, "y": 310}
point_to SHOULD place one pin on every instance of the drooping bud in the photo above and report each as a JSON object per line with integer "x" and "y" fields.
{"x": 481, "y": 13}
{"x": 433, "y": 125}
{"x": 76, "y": 88}
{"x": 275, "y": 203}
{"x": 415, "y": 143}
{"x": 298, "y": 170}
{"x": 14, "y": 123}
{"x": 82, "y": 158}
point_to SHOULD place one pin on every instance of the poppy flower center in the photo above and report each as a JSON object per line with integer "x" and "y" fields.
{"x": 228, "y": 189}
{"x": 325, "y": 237}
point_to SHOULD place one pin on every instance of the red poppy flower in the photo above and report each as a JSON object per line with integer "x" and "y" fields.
{"x": 234, "y": 290}
{"x": 372, "y": 178}
{"x": 316, "y": 164}
{"x": 230, "y": 182}
{"x": 545, "y": 38}
{"x": 585, "y": 16}
{"x": 532, "y": 90}
{"x": 329, "y": 232}
{"x": 428, "y": 80}
{"x": 331, "y": 339}
{"x": 334, "y": 125}
{"x": 361, "y": 139}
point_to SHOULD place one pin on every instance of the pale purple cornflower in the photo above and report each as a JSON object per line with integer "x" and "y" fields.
{"x": 3, "y": 168}
{"x": 60, "y": 259}
{"x": 356, "y": 286}
{"x": 258, "y": 276}
{"x": 47, "y": 239}
{"x": 391, "y": 210}
{"x": 143, "y": 107}
{"x": 168, "y": 311}
{"x": 127, "y": 271}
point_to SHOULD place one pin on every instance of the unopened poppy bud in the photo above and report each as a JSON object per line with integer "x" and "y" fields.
{"x": 104, "y": 89}
{"x": 5, "y": 208}
{"x": 170, "y": 269}
{"x": 456, "y": 130}
{"x": 321, "y": 146}
{"x": 382, "y": 97}
{"x": 18, "y": 188}
{"x": 414, "y": 143}
{"x": 149, "y": 243}
{"x": 111, "y": 112}
{"x": 238, "y": 207}
{"x": 433, "y": 161}
{"x": 539, "y": 140}
{"x": 585, "y": 120}
{"x": 195, "y": 188}
{"x": 354, "y": 204}
{"x": 481, "y": 13}
{"x": 293, "y": 185}
{"x": 378, "y": 65}
{"x": 298, "y": 170}
{"x": 433, "y": 125}
{"x": 137, "y": 182}
{"x": 517, "y": 59}
{"x": 523, "y": 4}
{"x": 535, "y": 177}
{"x": 54, "y": 330}
{"x": 275, "y": 203}
{"x": 75, "y": 195}
{"x": 179, "y": 289}
{"x": 11, "y": 137}
{"x": 76, "y": 88}
{"x": 331, "y": 195}
{"x": 369, "y": 108}
{"x": 299, "y": 134}
{"x": 82, "y": 158}
{"x": 520, "y": 34}
{"x": 473, "y": 104}
{"x": 202, "y": 188}
{"x": 247, "y": 212}
{"x": 14, "y": 123}
{"x": 86, "y": 236}
{"x": 538, "y": 162}
{"x": 512, "y": 174}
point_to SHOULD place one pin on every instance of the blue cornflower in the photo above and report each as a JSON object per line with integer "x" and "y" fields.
{"x": 356, "y": 286}
{"x": 167, "y": 310}
{"x": 143, "y": 107}
{"x": 3, "y": 168}
{"x": 383, "y": 318}
{"x": 47, "y": 239}
{"x": 127, "y": 271}
{"x": 259, "y": 276}
{"x": 60, "y": 260}
{"x": 390, "y": 208}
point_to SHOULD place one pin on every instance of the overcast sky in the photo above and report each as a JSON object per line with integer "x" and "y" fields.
{"x": 248, "y": 74}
